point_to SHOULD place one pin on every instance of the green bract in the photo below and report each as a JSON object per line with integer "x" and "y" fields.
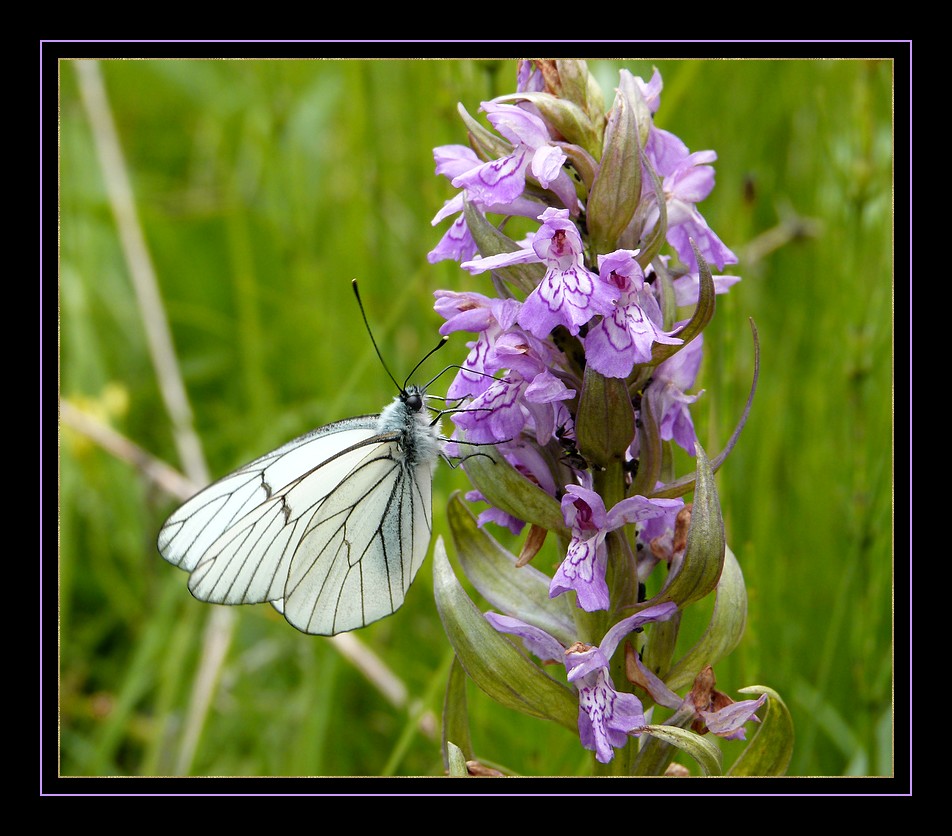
{"x": 605, "y": 421}
{"x": 704, "y": 751}
{"x": 494, "y": 663}
{"x": 771, "y": 747}
{"x": 616, "y": 192}
{"x": 703, "y": 560}
{"x": 724, "y": 631}
{"x": 455, "y": 716}
{"x": 507, "y": 587}
{"x": 507, "y": 489}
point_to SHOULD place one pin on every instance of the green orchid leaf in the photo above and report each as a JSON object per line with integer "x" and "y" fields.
{"x": 703, "y": 313}
{"x": 577, "y": 84}
{"x": 455, "y": 761}
{"x": 705, "y": 752}
{"x": 703, "y": 560}
{"x": 456, "y": 715}
{"x": 724, "y": 631}
{"x": 494, "y": 663}
{"x": 605, "y": 423}
{"x": 616, "y": 192}
{"x": 511, "y": 589}
{"x": 507, "y": 489}
{"x": 771, "y": 747}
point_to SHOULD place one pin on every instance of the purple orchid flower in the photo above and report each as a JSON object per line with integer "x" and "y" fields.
{"x": 569, "y": 294}
{"x": 457, "y": 243}
{"x": 502, "y": 181}
{"x": 583, "y": 569}
{"x": 686, "y": 179}
{"x": 666, "y": 393}
{"x": 606, "y": 717}
{"x": 626, "y": 336}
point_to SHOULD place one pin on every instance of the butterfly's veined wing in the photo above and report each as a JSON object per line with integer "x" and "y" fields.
{"x": 363, "y": 546}
{"x": 187, "y": 534}
{"x": 356, "y": 558}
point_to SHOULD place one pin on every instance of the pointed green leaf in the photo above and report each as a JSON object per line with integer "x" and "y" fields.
{"x": 580, "y": 86}
{"x": 507, "y": 489}
{"x": 456, "y": 715}
{"x": 511, "y": 589}
{"x": 455, "y": 761}
{"x": 703, "y": 312}
{"x": 667, "y": 297}
{"x": 616, "y": 192}
{"x": 654, "y": 755}
{"x": 724, "y": 631}
{"x": 643, "y": 117}
{"x": 771, "y": 747}
{"x": 494, "y": 663}
{"x": 703, "y": 559}
{"x": 704, "y": 751}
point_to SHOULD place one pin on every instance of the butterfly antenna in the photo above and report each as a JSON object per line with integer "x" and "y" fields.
{"x": 427, "y": 356}
{"x": 461, "y": 368}
{"x": 363, "y": 313}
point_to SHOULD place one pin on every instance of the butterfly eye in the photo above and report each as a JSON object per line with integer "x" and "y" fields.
{"x": 414, "y": 401}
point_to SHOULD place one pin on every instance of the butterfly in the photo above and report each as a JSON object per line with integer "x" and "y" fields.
{"x": 331, "y": 528}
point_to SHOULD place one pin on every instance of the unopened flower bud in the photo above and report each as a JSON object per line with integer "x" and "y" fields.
{"x": 605, "y": 424}
{"x": 580, "y": 86}
{"x": 615, "y": 194}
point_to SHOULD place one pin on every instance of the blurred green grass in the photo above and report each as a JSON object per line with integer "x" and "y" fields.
{"x": 263, "y": 187}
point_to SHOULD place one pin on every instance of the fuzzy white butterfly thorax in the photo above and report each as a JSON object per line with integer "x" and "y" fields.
{"x": 330, "y": 528}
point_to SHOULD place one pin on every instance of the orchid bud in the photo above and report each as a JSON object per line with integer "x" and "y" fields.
{"x": 616, "y": 192}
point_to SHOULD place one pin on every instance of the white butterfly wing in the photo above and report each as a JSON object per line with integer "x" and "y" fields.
{"x": 362, "y": 548}
{"x": 331, "y": 528}
{"x": 188, "y": 533}
{"x": 249, "y": 563}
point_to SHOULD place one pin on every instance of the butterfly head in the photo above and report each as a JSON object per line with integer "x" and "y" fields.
{"x": 414, "y": 398}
